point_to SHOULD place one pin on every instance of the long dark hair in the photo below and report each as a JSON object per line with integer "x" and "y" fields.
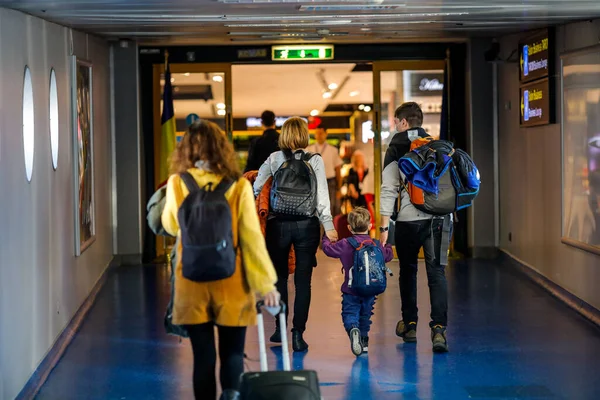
{"x": 204, "y": 141}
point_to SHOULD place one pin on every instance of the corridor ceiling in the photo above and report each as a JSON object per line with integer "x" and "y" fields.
{"x": 335, "y": 21}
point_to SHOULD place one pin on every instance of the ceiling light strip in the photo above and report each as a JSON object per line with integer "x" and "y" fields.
{"x": 158, "y": 34}
{"x": 295, "y": 1}
{"x": 349, "y": 7}
{"x": 125, "y": 18}
{"x": 150, "y": 15}
{"x": 323, "y": 23}
{"x": 340, "y": 16}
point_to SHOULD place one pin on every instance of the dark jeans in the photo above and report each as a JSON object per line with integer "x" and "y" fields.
{"x": 410, "y": 237}
{"x": 304, "y": 235}
{"x": 231, "y": 354}
{"x": 356, "y": 313}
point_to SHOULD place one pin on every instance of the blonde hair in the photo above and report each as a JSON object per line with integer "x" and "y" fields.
{"x": 359, "y": 219}
{"x": 204, "y": 141}
{"x": 354, "y": 158}
{"x": 294, "y": 134}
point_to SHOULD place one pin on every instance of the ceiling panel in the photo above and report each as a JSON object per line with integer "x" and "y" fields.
{"x": 227, "y": 21}
{"x": 295, "y": 89}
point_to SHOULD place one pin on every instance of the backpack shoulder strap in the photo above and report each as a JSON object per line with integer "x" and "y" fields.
{"x": 308, "y": 155}
{"x": 353, "y": 242}
{"x": 403, "y": 185}
{"x": 223, "y": 186}
{"x": 288, "y": 154}
{"x": 190, "y": 182}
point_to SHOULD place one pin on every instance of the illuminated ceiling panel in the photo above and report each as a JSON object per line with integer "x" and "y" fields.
{"x": 217, "y": 21}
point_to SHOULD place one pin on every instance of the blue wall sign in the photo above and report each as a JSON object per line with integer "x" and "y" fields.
{"x": 191, "y": 118}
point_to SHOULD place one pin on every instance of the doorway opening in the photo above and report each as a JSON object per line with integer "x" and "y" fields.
{"x": 355, "y": 102}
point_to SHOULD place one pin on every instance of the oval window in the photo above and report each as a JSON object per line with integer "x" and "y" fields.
{"x": 53, "y": 119}
{"x": 28, "y": 123}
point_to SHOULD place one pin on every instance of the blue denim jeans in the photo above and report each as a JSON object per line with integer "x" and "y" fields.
{"x": 356, "y": 313}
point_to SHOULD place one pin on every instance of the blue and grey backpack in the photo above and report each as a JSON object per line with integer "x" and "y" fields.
{"x": 440, "y": 179}
{"x": 368, "y": 273}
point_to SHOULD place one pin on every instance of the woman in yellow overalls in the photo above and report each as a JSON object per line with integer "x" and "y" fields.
{"x": 229, "y": 304}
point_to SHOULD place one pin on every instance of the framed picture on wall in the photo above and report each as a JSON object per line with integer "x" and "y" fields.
{"x": 580, "y": 77}
{"x": 83, "y": 154}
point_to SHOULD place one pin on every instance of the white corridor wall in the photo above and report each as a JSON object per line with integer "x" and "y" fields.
{"x": 530, "y": 179}
{"x": 42, "y": 283}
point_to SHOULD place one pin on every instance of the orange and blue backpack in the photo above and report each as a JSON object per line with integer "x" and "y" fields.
{"x": 439, "y": 179}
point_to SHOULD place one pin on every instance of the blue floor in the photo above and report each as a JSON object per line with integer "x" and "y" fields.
{"x": 508, "y": 339}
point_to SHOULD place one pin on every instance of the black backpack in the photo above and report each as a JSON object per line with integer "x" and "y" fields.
{"x": 205, "y": 222}
{"x": 294, "y": 190}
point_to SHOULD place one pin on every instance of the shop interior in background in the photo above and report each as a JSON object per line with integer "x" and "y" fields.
{"x": 337, "y": 96}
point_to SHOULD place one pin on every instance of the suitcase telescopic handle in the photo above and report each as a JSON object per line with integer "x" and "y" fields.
{"x": 261, "y": 303}
{"x": 262, "y": 341}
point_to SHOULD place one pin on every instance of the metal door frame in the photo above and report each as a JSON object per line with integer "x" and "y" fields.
{"x": 378, "y": 67}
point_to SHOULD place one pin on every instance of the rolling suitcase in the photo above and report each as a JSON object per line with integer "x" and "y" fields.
{"x": 278, "y": 385}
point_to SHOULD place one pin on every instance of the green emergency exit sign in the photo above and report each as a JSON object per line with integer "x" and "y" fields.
{"x": 302, "y": 53}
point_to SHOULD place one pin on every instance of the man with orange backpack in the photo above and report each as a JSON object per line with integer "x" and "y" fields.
{"x": 414, "y": 229}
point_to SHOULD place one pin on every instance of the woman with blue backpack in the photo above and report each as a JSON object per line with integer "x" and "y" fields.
{"x": 363, "y": 263}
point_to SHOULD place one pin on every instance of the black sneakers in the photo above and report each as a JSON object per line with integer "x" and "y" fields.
{"x": 276, "y": 337}
{"x": 355, "y": 341}
{"x": 438, "y": 338}
{"x": 408, "y": 332}
{"x": 298, "y": 343}
{"x": 230, "y": 395}
{"x": 365, "y": 344}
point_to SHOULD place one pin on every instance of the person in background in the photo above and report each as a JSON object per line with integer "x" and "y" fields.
{"x": 333, "y": 164}
{"x": 354, "y": 181}
{"x": 262, "y": 147}
{"x": 229, "y": 304}
{"x": 303, "y": 233}
{"x": 368, "y": 190}
{"x": 414, "y": 229}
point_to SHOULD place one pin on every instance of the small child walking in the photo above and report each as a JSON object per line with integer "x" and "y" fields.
{"x": 357, "y": 309}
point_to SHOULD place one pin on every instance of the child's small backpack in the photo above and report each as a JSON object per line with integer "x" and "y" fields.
{"x": 368, "y": 273}
{"x": 205, "y": 222}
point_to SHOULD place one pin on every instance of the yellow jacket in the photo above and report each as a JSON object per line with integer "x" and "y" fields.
{"x": 228, "y": 302}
